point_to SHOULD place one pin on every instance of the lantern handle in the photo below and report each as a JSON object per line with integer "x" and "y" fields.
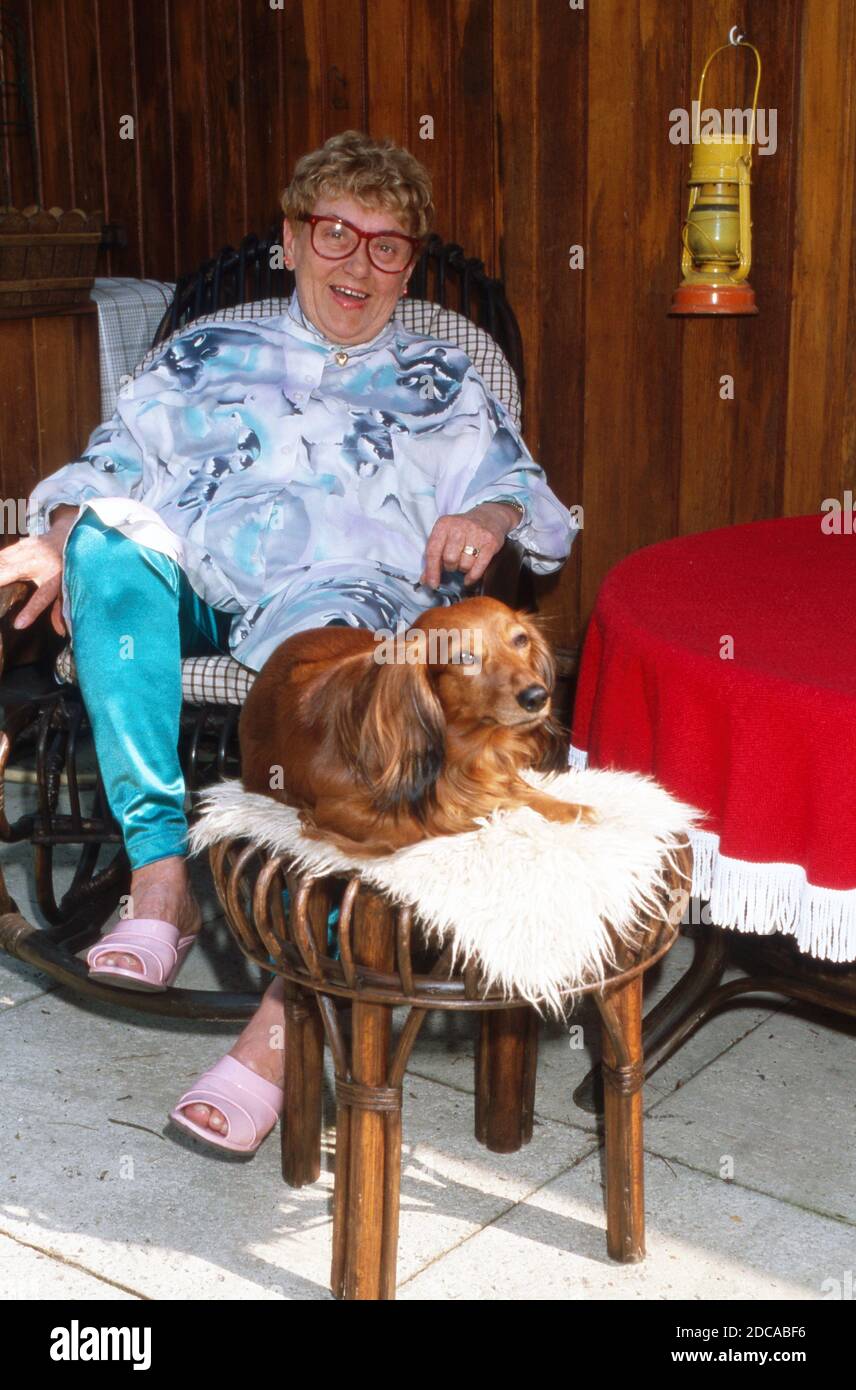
{"x": 735, "y": 40}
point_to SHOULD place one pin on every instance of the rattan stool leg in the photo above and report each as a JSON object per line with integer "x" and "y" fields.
{"x": 303, "y": 1038}
{"x": 623, "y": 1075}
{"x": 506, "y": 1065}
{"x": 368, "y": 1164}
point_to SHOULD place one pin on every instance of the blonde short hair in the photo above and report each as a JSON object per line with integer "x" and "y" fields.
{"x": 374, "y": 172}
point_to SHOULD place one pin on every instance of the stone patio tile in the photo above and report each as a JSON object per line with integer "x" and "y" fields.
{"x": 780, "y": 1107}
{"x": 93, "y": 1172}
{"x": 706, "y": 1239}
{"x": 32, "y": 1274}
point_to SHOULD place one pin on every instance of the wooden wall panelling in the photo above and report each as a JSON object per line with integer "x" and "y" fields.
{"x": 760, "y": 439}
{"x": 50, "y": 403}
{"x": 559, "y": 221}
{"x": 517, "y": 114}
{"x": 430, "y": 73}
{"x": 226, "y": 117}
{"x": 84, "y": 85}
{"x": 632, "y": 420}
{"x": 150, "y": 211}
{"x": 50, "y": 94}
{"x": 470, "y": 133}
{"x": 387, "y": 38}
{"x": 719, "y": 435}
{"x": 68, "y": 392}
{"x": 131, "y": 85}
{"x": 345, "y": 98}
{"x": 305, "y": 86}
{"x": 708, "y": 347}
{"x": 189, "y": 41}
{"x": 264, "y": 156}
{"x": 19, "y": 440}
{"x": 820, "y": 387}
{"x": 21, "y": 166}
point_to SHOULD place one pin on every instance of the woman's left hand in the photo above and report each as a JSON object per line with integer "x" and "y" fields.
{"x": 484, "y": 529}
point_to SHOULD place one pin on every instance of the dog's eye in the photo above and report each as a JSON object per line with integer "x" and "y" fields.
{"x": 521, "y": 640}
{"x": 467, "y": 659}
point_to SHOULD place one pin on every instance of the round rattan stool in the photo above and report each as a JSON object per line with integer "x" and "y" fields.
{"x": 384, "y": 963}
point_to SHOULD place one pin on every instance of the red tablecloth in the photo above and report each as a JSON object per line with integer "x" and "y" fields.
{"x": 724, "y": 665}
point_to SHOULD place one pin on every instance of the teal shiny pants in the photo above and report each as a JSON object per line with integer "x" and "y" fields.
{"x": 134, "y": 616}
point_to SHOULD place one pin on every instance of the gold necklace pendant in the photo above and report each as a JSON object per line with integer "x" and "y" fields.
{"x": 341, "y": 358}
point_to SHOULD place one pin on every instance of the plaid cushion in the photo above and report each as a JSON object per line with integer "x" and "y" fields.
{"x": 129, "y": 311}
{"x": 420, "y": 316}
{"x": 205, "y": 680}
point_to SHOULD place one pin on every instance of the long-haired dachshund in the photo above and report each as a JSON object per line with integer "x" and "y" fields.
{"x": 382, "y": 742}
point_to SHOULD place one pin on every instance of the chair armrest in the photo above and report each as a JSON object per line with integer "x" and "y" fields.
{"x": 501, "y": 579}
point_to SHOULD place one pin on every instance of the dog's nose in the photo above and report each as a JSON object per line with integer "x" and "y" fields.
{"x": 533, "y": 698}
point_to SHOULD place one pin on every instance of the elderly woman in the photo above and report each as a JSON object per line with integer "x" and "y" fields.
{"x": 258, "y": 478}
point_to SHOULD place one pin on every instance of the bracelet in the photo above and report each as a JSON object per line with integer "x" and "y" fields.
{"x": 513, "y": 502}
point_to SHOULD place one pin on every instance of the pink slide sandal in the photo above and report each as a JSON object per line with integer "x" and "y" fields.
{"x": 156, "y": 945}
{"x": 251, "y": 1105}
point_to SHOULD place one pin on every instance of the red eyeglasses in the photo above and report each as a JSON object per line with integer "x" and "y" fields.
{"x": 335, "y": 240}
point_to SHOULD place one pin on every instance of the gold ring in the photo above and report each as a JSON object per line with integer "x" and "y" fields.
{"x": 470, "y": 550}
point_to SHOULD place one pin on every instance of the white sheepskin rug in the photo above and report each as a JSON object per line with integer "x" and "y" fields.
{"x": 528, "y": 898}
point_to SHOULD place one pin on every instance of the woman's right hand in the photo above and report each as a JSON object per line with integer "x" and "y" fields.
{"x": 39, "y": 560}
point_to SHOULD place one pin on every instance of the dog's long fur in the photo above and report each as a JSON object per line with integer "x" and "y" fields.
{"x": 377, "y": 756}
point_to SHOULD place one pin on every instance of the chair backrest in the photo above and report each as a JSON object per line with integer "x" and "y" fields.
{"x": 444, "y": 279}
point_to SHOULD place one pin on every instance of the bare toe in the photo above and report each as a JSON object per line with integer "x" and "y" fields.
{"x": 205, "y": 1116}
{"x": 120, "y": 961}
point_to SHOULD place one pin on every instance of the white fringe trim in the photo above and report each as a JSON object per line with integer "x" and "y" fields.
{"x": 768, "y": 898}
{"x": 577, "y": 758}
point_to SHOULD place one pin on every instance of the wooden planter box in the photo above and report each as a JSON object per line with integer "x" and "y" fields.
{"x": 47, "y": 258}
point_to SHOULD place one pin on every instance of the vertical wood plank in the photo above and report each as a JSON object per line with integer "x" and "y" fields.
{"x": 470, "y": 132}
{"x": 194, "y": 213}
{"x": 632, "y": 425}
{"x": 430, "y": 75}
{"x": 561, "y": 221}
{"x": 19, "y": 442}
{"x": 515, "y": 54}
{"x": 224, "y": 90}
{"x": 820, "y": 425}
{"x": 121, "y": 74}
{"x": 19, "y": 174}
{"x": 156, "y": 151}
{"x": 84, "y": 104}
{"x": 267, "y": 169}
{"x": 304, "y": 80}
{"x": 387, "y": 37}
{"x": 50, "y": 79}
{"x": 343, "y": 66}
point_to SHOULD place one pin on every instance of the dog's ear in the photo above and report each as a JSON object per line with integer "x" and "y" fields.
{"x": 540, "y": 653}
{"x": 395, "y": 736}
{"x": 550, "y": 745}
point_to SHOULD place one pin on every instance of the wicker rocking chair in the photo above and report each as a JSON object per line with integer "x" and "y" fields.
{"x": 451, "y": 296}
